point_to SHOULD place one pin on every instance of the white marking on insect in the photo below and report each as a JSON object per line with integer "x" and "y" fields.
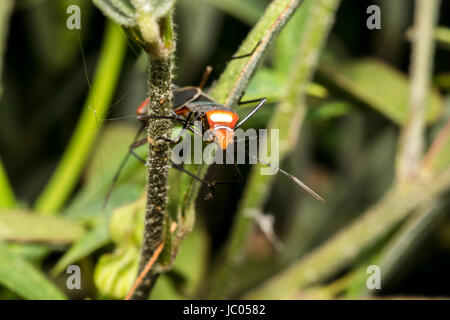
{"x": 221, "y": 117}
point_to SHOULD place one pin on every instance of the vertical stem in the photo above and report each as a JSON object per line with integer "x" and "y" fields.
{"x": 412, "y": 136}
{"x": 160, "y": 76}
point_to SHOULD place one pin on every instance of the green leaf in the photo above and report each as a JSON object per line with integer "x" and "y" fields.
{"x": 84, "y": 246}
{"x": 329, "y": 110}
{"x": 380, "y": 86}
{"x": 191, "y": 264}
{"x": 192, "y": 258}
{"x": 248, "y": 11}
{"x": 158, "y": 8}
{"x": 149, "y": 19}
{"x": 272, "y": 85}
{"x": 21, "y": 277}
{"x": 115, "y": 273}
{"x": 111, "y": 149}
{"x": 288, "y": 41}
{"x": 266, "y": 83}
{"x": 126, "y": 225}
{"x": 23, "y": 226}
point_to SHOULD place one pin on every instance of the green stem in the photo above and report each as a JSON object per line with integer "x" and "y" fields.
{"x": 72, "y": 163}
{"x": 160, "y": 77}
{"x": 412, "y": 137}
{"x": 287, "y": 118}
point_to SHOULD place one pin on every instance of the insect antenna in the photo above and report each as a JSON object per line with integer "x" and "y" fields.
{"x": 290, "y": 176}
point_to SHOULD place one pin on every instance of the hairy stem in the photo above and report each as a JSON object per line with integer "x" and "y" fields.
{"x": 412, "y": 137}
{"x": 160, "y": 76}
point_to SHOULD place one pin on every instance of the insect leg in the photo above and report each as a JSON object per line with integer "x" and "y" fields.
{"x": 135, "y": 145}
{"x": 209, "y": 69}
{"x": 237, "y": 175}
{"x": 211, "y": 185}
{"x": 122, "y": 165}
{"x": 205, "y": 76}
{"x": 187, "y": 126}
{"x": 206, "y": 183}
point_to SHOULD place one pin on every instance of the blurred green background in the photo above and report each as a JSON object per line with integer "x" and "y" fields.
{"x": 345, "y": 151}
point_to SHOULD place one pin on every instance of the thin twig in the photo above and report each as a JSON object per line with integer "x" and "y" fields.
{"x": 412, "y": 137}
{"x": 145, "y": 271}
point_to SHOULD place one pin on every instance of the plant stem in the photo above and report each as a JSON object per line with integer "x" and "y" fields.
{"x": 160, "y": 75}
{"x": 235, "y": 78}
{"x": 288, "y": 118}
{"x": 412, "y": 137}
{"x": 145, "y": 270}
{"x": 71, "y": 165}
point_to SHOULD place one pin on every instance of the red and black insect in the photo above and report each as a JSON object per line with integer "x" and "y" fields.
{"x": 191, "y": 104}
